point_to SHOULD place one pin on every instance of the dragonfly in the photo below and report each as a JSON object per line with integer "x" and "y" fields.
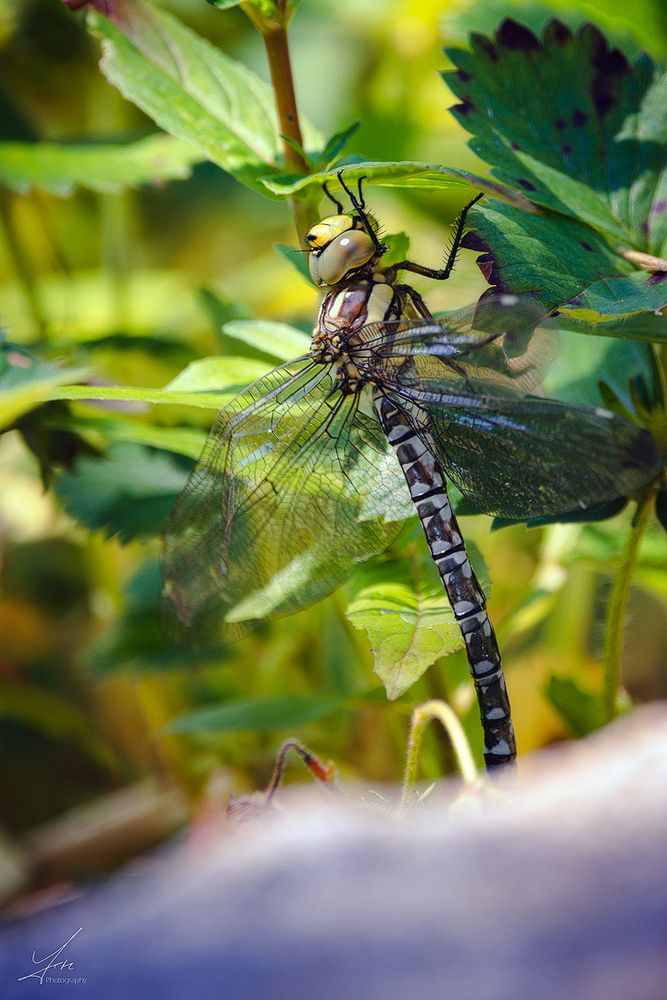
{"x": 316, "y": 465}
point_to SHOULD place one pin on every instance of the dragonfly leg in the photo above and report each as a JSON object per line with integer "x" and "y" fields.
{"x": 439, "y": 274}
{"x": 413, "y": 298}
{"x": 426, "y": 482}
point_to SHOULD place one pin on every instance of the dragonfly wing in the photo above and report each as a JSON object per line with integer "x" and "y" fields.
{"x": 503, "y": 346}
{"x": 293, "y": 486}
{"x": 530, "y": 457}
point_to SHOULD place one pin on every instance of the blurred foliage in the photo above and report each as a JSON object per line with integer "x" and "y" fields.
{"x": 144, "y": 300}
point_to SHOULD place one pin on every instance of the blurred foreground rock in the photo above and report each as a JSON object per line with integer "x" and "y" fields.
{"x": 554, "y": 888}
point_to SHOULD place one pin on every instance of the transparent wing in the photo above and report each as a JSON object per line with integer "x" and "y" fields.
{"x": 503, "y": 345}
{"x": 530, "y": 457}
{"x": 463, "y": 381}
{"x": 294, "y": 485}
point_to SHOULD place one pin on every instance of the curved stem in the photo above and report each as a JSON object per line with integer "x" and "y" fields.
{"x": 421, "y": 716}
{"x": 618, "y": 604}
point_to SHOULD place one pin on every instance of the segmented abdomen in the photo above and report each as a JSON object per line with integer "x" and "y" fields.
{"x": 426, "y": 482}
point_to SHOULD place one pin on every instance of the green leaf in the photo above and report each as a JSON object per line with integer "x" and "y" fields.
{"x": 620, "y": 297}
{"x": 54, "y": 716}
{"x": 403, "y": 608}
{"x": 128, "y": 492}
{"x": 230, "y": 374}
{"x": 336, "y": 144}
{"x": 645, "y": 327}
{"x": 186, "y": 441}
{"x": 259, "y": 715}
{"x": 278, "y": 340}
{"x": 589, "y": 141}
{"x": 641, "y": 25}
{"x": 406, "y": 174}
{"x": 582, "y": 711}
{"x": 562, "y": 263}
{"x": 108, "y": 167}
{"x": 192, "y": 90}
{"x": 95, "y": 393}
{"x": 543, "y": 255}
{"x": 26, "y": 381}
{"x": 224, "y": 4}
{"x": 399, "y": 248}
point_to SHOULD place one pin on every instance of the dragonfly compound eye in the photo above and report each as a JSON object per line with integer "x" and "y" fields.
{"x": 347, "y": 252}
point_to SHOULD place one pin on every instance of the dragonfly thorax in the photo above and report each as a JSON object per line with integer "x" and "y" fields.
{"x": 338, "y": 336}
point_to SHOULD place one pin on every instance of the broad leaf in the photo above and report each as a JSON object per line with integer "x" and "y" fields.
{"x": 620, "y": 297}
{"x": 26, "y": 381}
{"x": 589, "y": 140}
{"x": 128, "y": 492}
{"x": 640, "y": 25}
{"x": 644, "y": 327}
{"x": 107, "y": 167}
{"x": 402, "y": 606}
{"x": 192, "y": 90}
{"x": 278, "y": 340}
{"x": 563, "y": 263}
{"x": 406, "y": 174}
{"x": 186, "y": 441}
{"x": 260, "y": 715}
{"x": 230, "y": 374}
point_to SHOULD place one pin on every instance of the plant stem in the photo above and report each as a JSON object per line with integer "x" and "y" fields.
{"x": 618, "y": 604}
{"x": 22, "y": 266}
{"x": 277, "y": 50}
{"x": 274, "y": 33}
{"x": 421, "y": 716}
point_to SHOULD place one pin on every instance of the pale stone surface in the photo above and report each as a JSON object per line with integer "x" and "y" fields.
{"x": 555, "y": 889}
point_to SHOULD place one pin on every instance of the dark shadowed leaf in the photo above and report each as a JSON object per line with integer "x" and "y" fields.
{"x": 563, "y": 263}
{"x": 261, "y": 715}
{"x": 128, "y": 492}
{"x": 26, "y": 380}
{"x": 590, "y": 139}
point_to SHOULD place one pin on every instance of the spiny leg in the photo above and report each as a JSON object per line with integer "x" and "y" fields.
{"x": 359, "y": 205}
{"x": 426, "y": 482}
{"x": 337, "y": 203}
{"x": 439, "y": 274}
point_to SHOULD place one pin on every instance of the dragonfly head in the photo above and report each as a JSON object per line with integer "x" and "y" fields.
{"x": 338, "y": 247}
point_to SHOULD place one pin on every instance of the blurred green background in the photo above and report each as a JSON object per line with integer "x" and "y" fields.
{"x": 134, "y": 286}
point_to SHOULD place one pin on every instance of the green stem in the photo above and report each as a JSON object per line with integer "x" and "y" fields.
{"x": 280, "y": 65}
{"x": 445, "y": 715}
{"x": 274, "y": 32}
{"x": 22, "y": 265}
{"x": 618, "y": 604}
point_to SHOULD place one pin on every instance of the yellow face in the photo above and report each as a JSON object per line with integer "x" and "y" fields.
{"x": 337, "y": 248}
{"x": 325, "y": 231}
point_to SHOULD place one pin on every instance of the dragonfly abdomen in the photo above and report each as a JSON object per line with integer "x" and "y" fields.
{"x": 428, "y": 490}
